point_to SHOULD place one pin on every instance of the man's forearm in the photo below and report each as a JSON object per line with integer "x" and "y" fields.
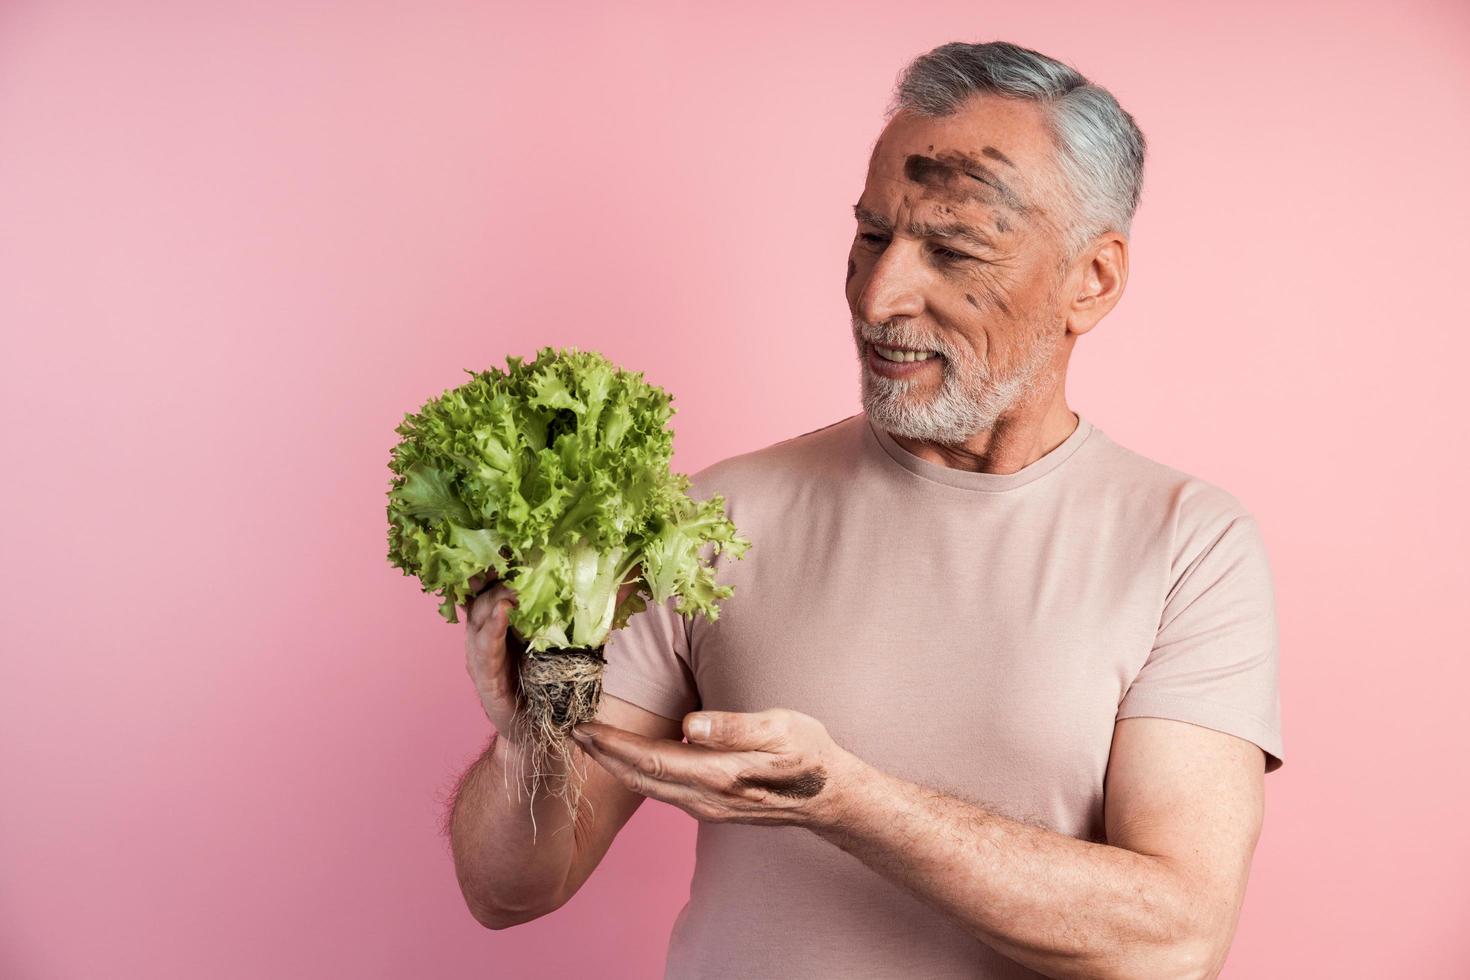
{"x": 508, "y": 870}
{"x": 1061, "y": 906}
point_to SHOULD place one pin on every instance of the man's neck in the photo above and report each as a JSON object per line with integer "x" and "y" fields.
{"x": 1015, "y": 441}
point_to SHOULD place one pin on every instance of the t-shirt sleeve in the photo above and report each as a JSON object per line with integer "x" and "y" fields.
{"x": 1215, "y": 659}
{"x": 648, "y": 662}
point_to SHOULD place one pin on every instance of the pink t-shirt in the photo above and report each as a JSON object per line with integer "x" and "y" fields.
{"x": 978, "y": 633}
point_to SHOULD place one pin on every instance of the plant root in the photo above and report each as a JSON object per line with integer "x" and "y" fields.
{"x": 560, "y": 688}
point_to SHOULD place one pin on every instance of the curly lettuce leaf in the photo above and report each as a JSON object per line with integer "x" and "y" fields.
{"x": 554, "y": 476}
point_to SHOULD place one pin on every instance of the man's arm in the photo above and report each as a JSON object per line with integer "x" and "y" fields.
{"x": 506, "y": 876}
{"x": 1183, "y": 811}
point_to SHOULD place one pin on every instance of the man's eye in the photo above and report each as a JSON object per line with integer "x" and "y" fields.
{"x": 948, "y": 254}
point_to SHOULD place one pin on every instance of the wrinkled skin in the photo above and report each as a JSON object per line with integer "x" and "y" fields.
{"x": 776, "y": 767}
{"x": 1004, "y": 313}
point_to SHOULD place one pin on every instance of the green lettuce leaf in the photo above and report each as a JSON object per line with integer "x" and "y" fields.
{"x": 554, "y": 475}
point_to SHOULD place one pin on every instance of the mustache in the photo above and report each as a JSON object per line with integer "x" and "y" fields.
{"x": 898, "y": 336}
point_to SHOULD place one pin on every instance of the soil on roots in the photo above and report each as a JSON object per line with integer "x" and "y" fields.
{"x": 560, "y": 688}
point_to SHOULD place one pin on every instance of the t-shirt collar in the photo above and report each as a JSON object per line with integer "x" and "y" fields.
{"x": 974, "y": 480}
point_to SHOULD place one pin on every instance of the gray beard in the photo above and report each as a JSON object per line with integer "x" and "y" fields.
{"x": 969, "y": 400}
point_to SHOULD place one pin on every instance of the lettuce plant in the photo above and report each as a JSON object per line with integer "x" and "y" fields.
{"x": 554, "y": 476}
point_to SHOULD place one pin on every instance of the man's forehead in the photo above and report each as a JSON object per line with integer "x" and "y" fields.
{"x": 1004, "y": 132}
{"x": 954, "y": 178}
{"x": 985, "y": 155}
{"x": 948, "y": 194}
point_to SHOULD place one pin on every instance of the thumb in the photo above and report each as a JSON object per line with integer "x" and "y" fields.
{"x": 735, "y": 729}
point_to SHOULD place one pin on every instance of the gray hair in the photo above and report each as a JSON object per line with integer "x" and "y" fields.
{"x": 1099, "y": 147}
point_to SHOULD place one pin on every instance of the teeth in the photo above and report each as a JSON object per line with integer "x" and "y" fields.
{"x": 902, "y": 355}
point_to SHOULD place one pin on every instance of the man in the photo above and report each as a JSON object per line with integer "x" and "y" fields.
{"x": 994, "y": 695}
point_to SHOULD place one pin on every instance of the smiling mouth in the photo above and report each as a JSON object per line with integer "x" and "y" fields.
{"x": 903, "y": 355}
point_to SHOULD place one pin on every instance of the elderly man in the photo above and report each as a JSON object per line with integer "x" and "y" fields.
{"x": 994, "y": 695}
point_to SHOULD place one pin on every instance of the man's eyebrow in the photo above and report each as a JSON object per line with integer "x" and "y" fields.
{"x": 926, "y": 229}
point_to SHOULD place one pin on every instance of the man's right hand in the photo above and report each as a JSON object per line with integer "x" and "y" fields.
{"x": 507, "y": 873}
{"x": 492, "y": 656}
{"x": 493, "y": 669}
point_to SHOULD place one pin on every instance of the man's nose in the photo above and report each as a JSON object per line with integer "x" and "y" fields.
{"x": 893, "y": 288}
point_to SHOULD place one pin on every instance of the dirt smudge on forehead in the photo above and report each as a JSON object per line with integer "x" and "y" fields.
{"x": 995, "y": 154}
{"x": 963, "y": 178}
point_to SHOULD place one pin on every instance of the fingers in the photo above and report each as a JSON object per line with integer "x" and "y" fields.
{"x": 635, "y": 779}
{"x": 478, "y": 584}
{"x": 473, "y": 585}
{"x": 488, "y": 646}
{"x": 657, "y": 760}
{"x": 495, "y": 601}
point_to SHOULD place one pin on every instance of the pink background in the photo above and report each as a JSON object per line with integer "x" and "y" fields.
{"x": 238, "y": 241}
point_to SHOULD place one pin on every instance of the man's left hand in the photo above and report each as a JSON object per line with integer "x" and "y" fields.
{"x": 765, "y": 767}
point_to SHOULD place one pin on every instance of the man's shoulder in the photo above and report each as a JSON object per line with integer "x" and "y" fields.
{"x": 1187, "y": 504}
{"x": 793, "y": 461}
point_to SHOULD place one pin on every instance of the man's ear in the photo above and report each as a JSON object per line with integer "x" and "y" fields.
{"x": 1099, "y": 275}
